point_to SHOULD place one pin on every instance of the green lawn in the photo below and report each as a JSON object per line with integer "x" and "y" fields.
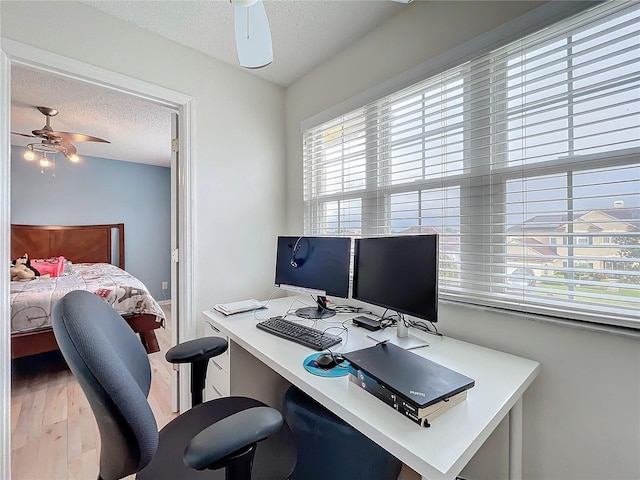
{"x": 632, "y": 293}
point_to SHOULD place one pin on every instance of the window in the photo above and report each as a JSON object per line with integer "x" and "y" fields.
{"x": 524, "y": 160}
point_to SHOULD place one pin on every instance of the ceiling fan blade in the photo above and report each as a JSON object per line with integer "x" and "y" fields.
{"x": 23, "y": 134}
{"x": 70, "y": 149}
{"x": 253, "y": 36}
{"x": 68, "y": 136}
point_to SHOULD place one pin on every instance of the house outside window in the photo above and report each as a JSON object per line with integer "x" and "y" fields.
{"x": 520, "y": 160}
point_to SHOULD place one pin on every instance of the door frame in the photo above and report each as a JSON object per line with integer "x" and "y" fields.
{"x": 15, "y": 53}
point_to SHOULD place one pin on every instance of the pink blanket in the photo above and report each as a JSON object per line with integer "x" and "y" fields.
{"x": 52, "y": 266}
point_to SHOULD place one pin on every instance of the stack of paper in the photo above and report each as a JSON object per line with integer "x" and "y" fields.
{"x": 238, "y": 307}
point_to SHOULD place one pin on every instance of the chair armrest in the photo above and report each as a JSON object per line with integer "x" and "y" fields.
{"x": 225, "y": 438}
{"x": 197, "y": 350}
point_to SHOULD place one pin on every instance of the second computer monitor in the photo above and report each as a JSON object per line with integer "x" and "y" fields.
{"x": 399, "y": 273}
{"x": 315, "y": 265}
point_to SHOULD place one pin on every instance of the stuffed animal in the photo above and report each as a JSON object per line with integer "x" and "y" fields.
{"x": 22, "y": 271}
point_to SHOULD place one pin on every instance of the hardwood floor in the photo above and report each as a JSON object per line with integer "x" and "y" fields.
{"x": 54, "y": 434}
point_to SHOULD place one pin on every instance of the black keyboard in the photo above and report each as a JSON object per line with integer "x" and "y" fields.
{"x": 307, "y": 336}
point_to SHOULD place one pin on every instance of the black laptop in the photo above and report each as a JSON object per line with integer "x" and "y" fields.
{"x": 415, "y": 378}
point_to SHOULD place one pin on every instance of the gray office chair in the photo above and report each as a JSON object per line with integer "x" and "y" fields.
{"x": 235, "y": 438}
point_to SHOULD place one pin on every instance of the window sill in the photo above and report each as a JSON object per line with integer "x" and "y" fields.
{"x": 625, "y": 332}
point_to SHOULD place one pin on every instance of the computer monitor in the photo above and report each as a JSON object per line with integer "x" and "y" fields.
{"x": 314, "y": 265}
{"x": 399, "y": 273}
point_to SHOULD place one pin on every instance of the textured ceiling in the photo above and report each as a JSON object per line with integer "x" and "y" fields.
{"x": 138, "y": 130}
{"x": 305, "y": 34}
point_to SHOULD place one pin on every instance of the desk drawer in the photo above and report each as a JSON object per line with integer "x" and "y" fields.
{"x": 221, "y": 360}
{"x": 210, "y": 393}
{"x": 218, "y": 379}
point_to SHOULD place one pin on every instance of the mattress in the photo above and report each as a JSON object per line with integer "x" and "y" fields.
{"x": 33, "y": 301}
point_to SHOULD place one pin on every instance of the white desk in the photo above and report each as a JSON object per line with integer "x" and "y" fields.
{"x": 260, "y": 361}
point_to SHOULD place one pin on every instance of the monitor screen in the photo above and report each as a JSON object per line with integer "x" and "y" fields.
{"x": 399, "y": 273}
{"x": 315, "y": 265}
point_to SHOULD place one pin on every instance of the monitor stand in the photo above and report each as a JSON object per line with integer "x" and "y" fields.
{"x": 316, "y": 313}
{"x": 401, "y": 339}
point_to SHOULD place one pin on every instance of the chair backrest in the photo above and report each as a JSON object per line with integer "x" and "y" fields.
{"x": 112, "y": 367}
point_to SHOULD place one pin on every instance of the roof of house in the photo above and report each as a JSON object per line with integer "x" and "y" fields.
{"x": 542, "y": 223}
{"x": 532, "y": 243}
{"x": 556, "y": 222}
{"x": 422, "y": 229}
{"x": 629, "y": 215}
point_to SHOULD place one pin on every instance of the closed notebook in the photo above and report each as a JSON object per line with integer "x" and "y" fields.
{"x": 411, "y": 376}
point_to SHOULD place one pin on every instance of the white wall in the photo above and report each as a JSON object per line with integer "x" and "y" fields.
{"x": 582, "y": 414}
{"x": 239, "y": 157}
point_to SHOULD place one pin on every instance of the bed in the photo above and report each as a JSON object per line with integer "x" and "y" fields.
{"x": 93, "y": 260}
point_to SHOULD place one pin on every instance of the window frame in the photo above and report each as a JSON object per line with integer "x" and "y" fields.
{"x": 491, "y": 169}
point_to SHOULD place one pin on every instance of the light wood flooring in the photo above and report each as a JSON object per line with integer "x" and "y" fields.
{"x": 53, "y": 431}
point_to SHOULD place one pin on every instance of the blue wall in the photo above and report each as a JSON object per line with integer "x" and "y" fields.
{"x": 100, "y": 190}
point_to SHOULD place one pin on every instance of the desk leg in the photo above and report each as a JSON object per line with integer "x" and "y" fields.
{"x": 515, "y": 441}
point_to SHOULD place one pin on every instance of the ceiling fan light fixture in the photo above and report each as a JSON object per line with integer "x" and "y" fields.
{"x": 54, "y": 142}
{"x": 46, "y": 147}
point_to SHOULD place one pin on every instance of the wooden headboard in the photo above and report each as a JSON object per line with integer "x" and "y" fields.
{"x": 77, "y": 243}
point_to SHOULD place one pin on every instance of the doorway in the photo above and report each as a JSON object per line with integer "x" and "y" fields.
{"x": 14, "y": 53}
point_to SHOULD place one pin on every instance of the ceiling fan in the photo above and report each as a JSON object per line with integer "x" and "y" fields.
{"x": 253, "y": 36}
{"x": 53, "y": 141}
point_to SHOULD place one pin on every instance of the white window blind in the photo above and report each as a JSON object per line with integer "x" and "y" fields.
{"x": 526, "y": 162}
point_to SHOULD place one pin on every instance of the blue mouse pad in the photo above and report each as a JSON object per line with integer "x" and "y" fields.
{"x": 309, "y": 365}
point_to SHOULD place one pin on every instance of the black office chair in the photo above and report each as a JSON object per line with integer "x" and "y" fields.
{"x": 236, "y": 438}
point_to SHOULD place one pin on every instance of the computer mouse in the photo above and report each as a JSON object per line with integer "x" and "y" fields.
{"x": 327, "y": 361}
